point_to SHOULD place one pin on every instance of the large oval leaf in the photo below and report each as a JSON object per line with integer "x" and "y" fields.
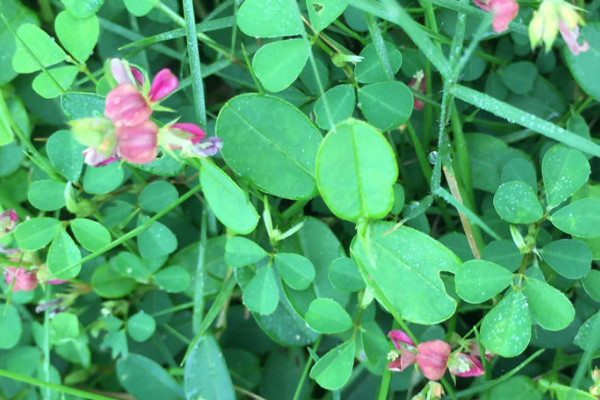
{"x": 271, "y": 143}
{"x": 327, "y": 316}
{"x": 227, "y": 200}
{"x": 564, "y": 170}
{"x": 340, "y": 100}
{"x": 145, "y": 379}
{"x": 278, "y": 64}
{"x": 506, "y": 329}
{"x": 386, "y": 105}
{"x": 517, "y": 203}
{"x": 36, "y": 233}
{"x": 407, "y": 272}
{"x": 570, "y": 258}
{"x": 356, "y": 169}
{"x": 580, "y": 218}
{"x": 205, "y": 374}
{"x": 62, "y": 254}
{"x": 333, "y": 370}
{"x": 272, "y": 18}
{"x": 324, "y": 12}
{"x": 35, "y": 41}
{"x": 549, "y": 307}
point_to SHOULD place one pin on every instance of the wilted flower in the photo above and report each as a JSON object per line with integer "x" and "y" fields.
{"x": 433, "y": 358}
{"x": 431, "y": 391}
{"x": 418, "y": 84}
{"x": 22, "y": 278}
{"x": 465, "y": 365}
{"x": 8, "y": 221}
{"x": 97, "y": 158}
{"x": 555, "y": 16}
{"x": 503, "y": 11}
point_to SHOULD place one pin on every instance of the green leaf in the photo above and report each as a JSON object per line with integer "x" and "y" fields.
{"x": 173, "y": 279}
{"x": 278, "y": 64}
{"x": 519, "y": 76}
{"x": 240, "y": 252}
{"x": 63, "y": 252}
{"x": 520, "y": 169}
{"x": 141, "y": 327}
{"x": 583, "y": 65}
{"x": 63, "y": 326}
{"x": 139, "y": 8}
{"x": 46, "y": 51}
{"x": 503, "y": 252}
{"x": 386, "y": 105}
{"x": 156, "y": 241}
{"x": 78, "y": 35}
{"x": 276, "y": 18}
{"x": 324, "y": 12}
{"x": 36, "y": 233}
{"x": 47, "y": 195}
{"x": 519, "y": 387}
{"x": 11, "y": 327}
{"x": 157, "y": 383}
{"x": 327, "y": 316}
{"x": 488, "y": 156}
{"x": 91, "y": 235}
{"x": 345, "y": 276}
{"x": 363, "y": 188}
{"x": 478, "y": 281}
{"x": 271, "y": 143}
{"x": 64, "y": 152}
{"x": 587, "y": 336}
{"x": 110, "y": 284}
{"x": 82, "y": 8}
{"x": 564, "y": 171}
{"x": 580, "y": 218}
{"x": 517, "y": 203}
{"x": 157, "y": 196}
{"x": 262, "y": 295}
{"x": 370, "y": 69}
{"x": 341, "y": 101}
{"x": 102, "y": 180}
{"x": 17, "y": 14}
{"x": 82, "y": 105}
{"x": 205, "y": 373}
{"x": 407, "y": 272}
{"x": 229, "y": 203}
{"x": 506, "y": 329}
{"x": 129, "y": 265}
{"x": 296, "y": 271}
{"x": 550, "y": 308}
{"x": 570, "y": 258}
{"x": 591, "y": 284}
{"x": 47, "y": 87}
{"x": 334, "y": 369}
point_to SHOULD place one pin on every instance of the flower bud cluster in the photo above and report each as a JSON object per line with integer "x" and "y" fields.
{"x": 555, "y": 16}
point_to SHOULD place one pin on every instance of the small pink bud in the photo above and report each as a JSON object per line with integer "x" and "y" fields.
{"x": 465, "y": 365}
{"x": 432, "y": 358}
{"x": 418, "y": 83}
{"x": 126, "y": 106}
{"x": 197, "y": 133}
{"x": 400, "y": 336}
{"x": 137, "y": 75}
{"x": 119, "y": 72}
{"x": 23, "y": 279}
{"x": 164, "y": 84}
{"x": 138, "y": 144}
{"x": 8, "y": 221}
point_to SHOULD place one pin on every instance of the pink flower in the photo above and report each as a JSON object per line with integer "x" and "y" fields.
{"x": 23, "y": 279}
{"x": 125, "y": 106}
{"x": 185, "y": 128}
{"x": 465, "y": 365}
{"x": 418, "y": 83}
{"x": 503, "y": 11}
{"x": 118, "y": 69}
{"x": 164, "y": 84}
{"x": 138, "y": 144}
{"x": 8, "y": 221}
{"x": 432, "y": 358}
{"x": 570, "y": 37}
{"x": 400, "y": 338}
{"x": 97, "y": 158}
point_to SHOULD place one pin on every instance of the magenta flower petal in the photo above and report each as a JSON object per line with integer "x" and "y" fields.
{"x": 24, "y": 280}
{"x": 164, "y": 84}
{"x": 400, "y": 336}
{"x": 432, "y": 358}
{"x": 126, "y": 106}
{"x": 503, "y": 11}
{"x": 56, "y": 281}
{"x": 465, "y": 365}
{"x": 138, "y": 144}
{"x": 208, "y": 147}
{"x": 97, "y": 158}
{"x": 197, "y": 133}
{"x": 137, "y": 75}
{"x": 8, "y": 221}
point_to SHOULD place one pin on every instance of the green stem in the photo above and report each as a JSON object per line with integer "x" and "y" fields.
{"x": 309, "y": 362}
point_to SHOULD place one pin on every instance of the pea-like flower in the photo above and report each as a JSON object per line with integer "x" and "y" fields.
{"x": 503, "y": 11}
{"x": 8, "y": 221}
{"x": 20, "y": 278}
{"x": 465, "y": 365}
{"x": 190, "y": 139}
{"x": 552, "y": 17}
